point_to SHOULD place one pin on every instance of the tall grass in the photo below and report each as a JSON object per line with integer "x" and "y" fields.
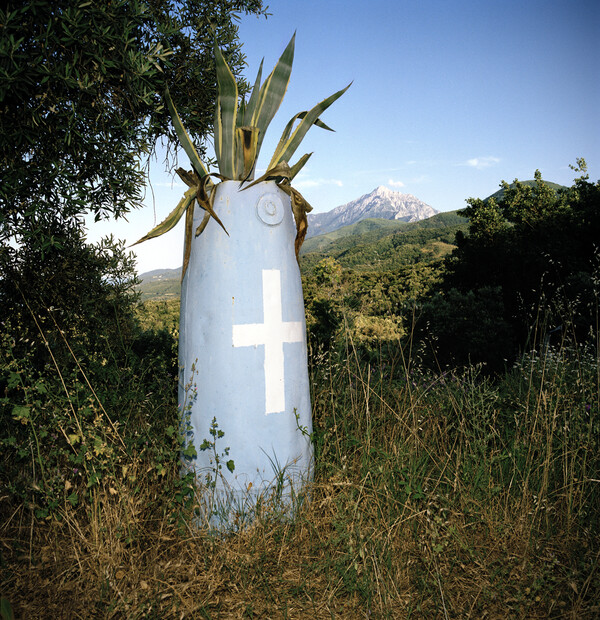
{"x": 436, "y": 495}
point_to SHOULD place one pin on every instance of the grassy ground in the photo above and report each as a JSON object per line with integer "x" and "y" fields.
{"x": 435, "y": 496}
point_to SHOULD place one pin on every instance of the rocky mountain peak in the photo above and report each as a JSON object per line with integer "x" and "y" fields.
{"x": 382, "y": 190}
{"x": 382, "y": 203}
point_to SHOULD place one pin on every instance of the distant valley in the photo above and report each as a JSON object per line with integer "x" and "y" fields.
{"x": 160, "y": 284}
{"x": 355, "y": 235}
{"x": 383, "y": 230}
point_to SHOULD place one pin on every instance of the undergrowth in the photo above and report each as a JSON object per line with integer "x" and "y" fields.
{"x": 447, "y": 494}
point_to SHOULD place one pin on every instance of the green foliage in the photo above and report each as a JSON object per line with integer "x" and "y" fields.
{"x": 375, "y": 306}
{"x": 71, "y": 290}
{"x": 216, "y": 458}
{"x": 328, "y": 271}
{"x": 499, "y": 195}
{"x": 381, "y": 245}
{"x": 462, "y": 328}
{"x": 76, "y": 375}
{"x": 81, "y": 93}
{"x": 67, "y": 432}
{"x": 430, "y": 488}
{"x": 538, "y": 248}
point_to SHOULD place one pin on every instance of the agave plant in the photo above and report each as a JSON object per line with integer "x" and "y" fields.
{"x": 239, "y": 131}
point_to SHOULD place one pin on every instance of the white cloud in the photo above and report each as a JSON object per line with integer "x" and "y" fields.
{"x": 482, "y": 162}
{"x": 393, "y": 183}
{"x": 310, "y": 183}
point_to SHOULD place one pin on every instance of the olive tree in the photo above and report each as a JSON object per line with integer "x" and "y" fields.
{"x": 81, "y": 99}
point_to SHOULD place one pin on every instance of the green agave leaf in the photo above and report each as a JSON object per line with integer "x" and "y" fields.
{"x": 184, "y": 138}
{"x": 285, "y": 152}
{"x": 227, "y": 111}
{"x": 295, "y": 169}
{"x": 251, "y": 105}
{"x": 285, "y": 136}
{"x": 241, "y": 114}
{"x": 217, "y": 131}
{"x": 171, "y": 220}
{"x": 272, "y": 92}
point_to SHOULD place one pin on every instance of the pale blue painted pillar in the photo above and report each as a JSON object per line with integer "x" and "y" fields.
{"x": 243, "y": 328}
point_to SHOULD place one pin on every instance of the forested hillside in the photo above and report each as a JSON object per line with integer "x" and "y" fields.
{"x": 380, "y": 245}
{"x": 369, "y": 245}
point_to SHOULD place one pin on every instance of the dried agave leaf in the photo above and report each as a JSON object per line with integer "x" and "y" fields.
{"x": 189, "y": 178}
{"x": 276, "y": 173}
{"x": 300, "y": 207}
{"x": 189, "y": 222}
{"x": 203, "y": 224}
{"x": 171, "y": 220}
{"x": 206, "y": 200}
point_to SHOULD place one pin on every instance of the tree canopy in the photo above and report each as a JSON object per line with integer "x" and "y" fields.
{"x": 81, "y": 99}
{"x": 534, "y": 254}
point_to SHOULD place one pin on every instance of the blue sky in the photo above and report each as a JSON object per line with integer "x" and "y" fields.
{"x": 447, "y": 100}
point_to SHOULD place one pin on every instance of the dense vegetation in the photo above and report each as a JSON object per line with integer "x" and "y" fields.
{"x": 454, "y": 369}
{"x": 456, "y": 490}
{"x": 81, "y": 94}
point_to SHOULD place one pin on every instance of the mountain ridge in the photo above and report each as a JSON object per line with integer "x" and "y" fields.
{"x": 381, "y": 203}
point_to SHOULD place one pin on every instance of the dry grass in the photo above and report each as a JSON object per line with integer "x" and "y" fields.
{"x": 423, "y": 506}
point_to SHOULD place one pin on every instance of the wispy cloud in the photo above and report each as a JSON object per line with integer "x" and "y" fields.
{"x": 482, "y": 162}
{"x": 393, "y": 183}
{"x": 310, "y": 183}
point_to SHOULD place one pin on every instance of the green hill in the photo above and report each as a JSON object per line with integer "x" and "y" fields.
{"x": 376, "y": 245}
{"x": 369, "y": 245}
{"x": 377, "y": 228}
{"x": 160, "y": 284}
{"x": 531, "y": 183}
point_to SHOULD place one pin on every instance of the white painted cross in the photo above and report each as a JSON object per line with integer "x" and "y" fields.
{"x": 272, "y": 334}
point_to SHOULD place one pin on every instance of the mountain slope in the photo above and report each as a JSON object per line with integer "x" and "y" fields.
{"x": 370, "y": 231}
{"x": 160, "y": 284}
{"x": 368, "y": 245}
{"x": 391, "y": 246}
{"x": 381, "y": 203}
